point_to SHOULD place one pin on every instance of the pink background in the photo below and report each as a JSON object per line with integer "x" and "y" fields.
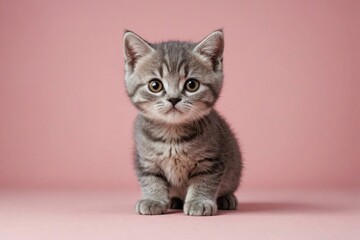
{"x": 291, "y": 88}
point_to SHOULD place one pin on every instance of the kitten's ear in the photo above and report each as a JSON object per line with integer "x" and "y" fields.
{"x": 212, "y": 49}
{"x": 135, "y": 48}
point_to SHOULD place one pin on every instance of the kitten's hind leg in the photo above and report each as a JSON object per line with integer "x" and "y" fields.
{"x": 176, "y": 203}
{"x": 227, "y": 202}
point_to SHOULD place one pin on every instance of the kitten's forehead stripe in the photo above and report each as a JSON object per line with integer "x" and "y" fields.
{"x": 166, "y": 63}
{"x": 180, "y": 65}
{"x": 174, "y": 63}
{"x": 186, "y": 70}
{"x": 165, "y": 67}
{"x": 161, "y": 71}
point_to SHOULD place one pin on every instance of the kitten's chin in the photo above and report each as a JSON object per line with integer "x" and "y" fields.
{"x": 172, "y": 117}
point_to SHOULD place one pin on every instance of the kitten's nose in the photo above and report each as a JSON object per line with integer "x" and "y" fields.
{"x": 174, "y": 101}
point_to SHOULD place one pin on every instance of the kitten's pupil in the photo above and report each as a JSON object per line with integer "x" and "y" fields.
{"x": 192, "y": 85}
{"x": 155, "y": 85}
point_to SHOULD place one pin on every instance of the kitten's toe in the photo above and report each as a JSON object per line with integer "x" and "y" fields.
{"x": 176, "y": 203}
{"x": 151, "y": 207}
{"x": 227, "y": 202}
{"x": 200, "y": 208}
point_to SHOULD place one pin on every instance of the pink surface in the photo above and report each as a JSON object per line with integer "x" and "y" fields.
{"x": 320, "y": 215}
{"x": 291, "y": 92}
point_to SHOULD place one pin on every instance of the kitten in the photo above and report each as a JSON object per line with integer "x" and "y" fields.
{"x": 186, "y": 155}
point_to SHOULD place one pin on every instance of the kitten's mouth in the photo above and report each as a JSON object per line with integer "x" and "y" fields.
{"x": 173, "y": 110}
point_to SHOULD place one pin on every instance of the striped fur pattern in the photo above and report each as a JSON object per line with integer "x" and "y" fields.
{"x": 186, "y": 156}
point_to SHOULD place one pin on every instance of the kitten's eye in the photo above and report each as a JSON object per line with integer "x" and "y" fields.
{"x": 192, "y": 85}
{"x": 155, "y": 85}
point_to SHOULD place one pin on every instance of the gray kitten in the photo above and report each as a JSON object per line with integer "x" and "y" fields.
{"x": 186, "y": 155}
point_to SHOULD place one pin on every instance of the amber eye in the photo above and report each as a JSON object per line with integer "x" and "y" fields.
{"x": 155, "y": 85}
{"x": 192, "y": 85}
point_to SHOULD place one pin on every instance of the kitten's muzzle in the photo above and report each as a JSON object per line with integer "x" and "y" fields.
{"x": 174, "y": 101}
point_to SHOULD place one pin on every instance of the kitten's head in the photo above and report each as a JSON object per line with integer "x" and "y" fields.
{"x": 174, "y": 82}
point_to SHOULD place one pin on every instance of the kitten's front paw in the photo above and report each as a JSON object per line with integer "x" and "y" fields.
{"x": 150, "y": 207}
{"x": 200, "y": 208}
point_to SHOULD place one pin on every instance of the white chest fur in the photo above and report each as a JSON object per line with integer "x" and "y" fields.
{"x": 175, "y": 163}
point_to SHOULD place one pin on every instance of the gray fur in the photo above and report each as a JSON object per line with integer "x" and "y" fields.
{"x": 186, "y": 155}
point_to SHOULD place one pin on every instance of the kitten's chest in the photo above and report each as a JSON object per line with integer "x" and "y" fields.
{"x": 176, "y": 163}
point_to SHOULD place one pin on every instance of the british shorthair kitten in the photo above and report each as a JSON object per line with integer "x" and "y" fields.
{"x": 186, "y": 156}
